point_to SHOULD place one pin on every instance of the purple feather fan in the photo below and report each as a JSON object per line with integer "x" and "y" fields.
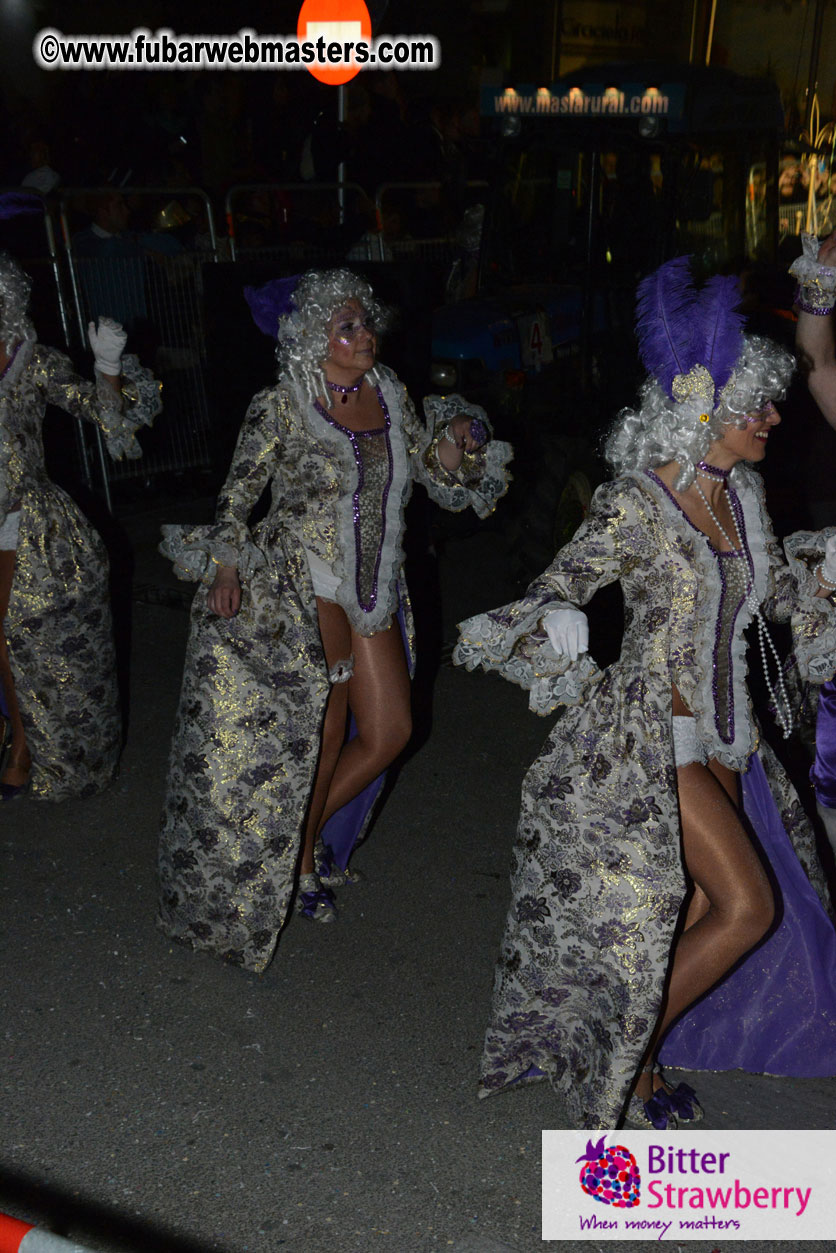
{"x": 665, "y": 321}
{"x": 718, "y": 328}
{"x": 270, "y": 302}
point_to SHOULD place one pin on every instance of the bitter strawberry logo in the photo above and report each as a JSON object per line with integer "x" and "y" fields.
{"x": 610, "y": 1175}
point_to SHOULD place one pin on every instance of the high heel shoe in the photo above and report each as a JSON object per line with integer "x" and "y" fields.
{"x": 314, "y": 901}
{"x": 667, "y": 1108}
{"x": 15, "y": 782}
{"x": 5, "y": 740}
{"x": 330, "y": 874}
{"x": 656, "y": 1114}
{"x": 683, "y": 1098}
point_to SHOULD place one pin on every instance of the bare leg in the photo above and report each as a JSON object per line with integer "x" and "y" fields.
{"x": 19, "y": 762}
{"x": 733, "y": 905}
{"x": 336, "y": 641}
{"x": 378, "y": 695}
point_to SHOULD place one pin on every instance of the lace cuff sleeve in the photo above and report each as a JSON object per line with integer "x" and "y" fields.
{"x": 196, "y": 552}
{"x": 118, "y": 412}
{"x": 122, "y": 415}
{"x": 814, "y": 617}
{"x": 483, "y": 476}
{"x": 816, "y": 283}
{"x": 512, "y": 642}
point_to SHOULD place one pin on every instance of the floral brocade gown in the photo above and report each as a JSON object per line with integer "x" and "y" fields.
{"x": 246, "y": 738}
{"x": 597, "y": 876}
{"x": 58, "y": 626}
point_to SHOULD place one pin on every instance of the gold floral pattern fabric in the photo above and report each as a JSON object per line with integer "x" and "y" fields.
{"x": 597, "y": 878}
{"x": 246, "y": 739}
{"x": 58, "y": 627}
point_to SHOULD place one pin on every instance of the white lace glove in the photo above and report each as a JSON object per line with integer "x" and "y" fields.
{"x": 828, "y": 566}
{"x": 568, "y": 631}
{"x": 108, "y": 344}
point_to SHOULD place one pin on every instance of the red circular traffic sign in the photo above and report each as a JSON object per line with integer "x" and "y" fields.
{"x": 336, "y": 21}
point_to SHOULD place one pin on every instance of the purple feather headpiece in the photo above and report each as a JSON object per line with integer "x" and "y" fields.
{"x": 270, "y": 302}
{"x": 679, "y": 327}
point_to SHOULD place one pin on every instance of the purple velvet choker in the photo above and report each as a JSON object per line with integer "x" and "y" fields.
{"x": 338, "y": 387}
{"x": 713, "y": 472}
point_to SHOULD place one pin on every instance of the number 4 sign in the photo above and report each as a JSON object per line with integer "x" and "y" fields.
{"x": 535, "y": 340}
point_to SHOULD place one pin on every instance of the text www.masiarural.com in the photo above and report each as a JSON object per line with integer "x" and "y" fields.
{"x": 615, "y": 102}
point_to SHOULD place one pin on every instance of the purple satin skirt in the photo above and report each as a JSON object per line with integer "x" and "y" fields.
{"x": 775, "y": 1014}
{"x": 343, "y": 829}
{"x": 823, "y": 773}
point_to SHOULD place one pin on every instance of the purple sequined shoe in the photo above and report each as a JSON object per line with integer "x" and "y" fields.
{"x": 330, "y": 874}
{"x": 657, "y": 1114}
{"x": 683, "y": 1098}
{"x": 314, "y": 901}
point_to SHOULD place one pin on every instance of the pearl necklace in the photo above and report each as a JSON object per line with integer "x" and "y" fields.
{"x": 780, "y": 700}
{"x": 338, "y": 387}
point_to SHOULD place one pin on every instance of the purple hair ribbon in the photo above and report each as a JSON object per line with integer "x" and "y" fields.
{"x": 270, "y": 302}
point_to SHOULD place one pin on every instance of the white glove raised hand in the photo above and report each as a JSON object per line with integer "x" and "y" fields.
{"x": 828, "y": 566}
{"x": 568, "y": 631}
{"x": 108, "y": 344}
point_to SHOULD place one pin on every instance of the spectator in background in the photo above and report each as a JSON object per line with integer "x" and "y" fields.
{"x": 112, "y": 264}
{"x": 113, "y": 275}
{"x": 41, "y": 176}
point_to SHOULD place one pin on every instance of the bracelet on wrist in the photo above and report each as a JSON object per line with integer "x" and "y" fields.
{"x": 813, "y": 298}
{"x": 478, "y": 432}
{"x": 823, "y": 579}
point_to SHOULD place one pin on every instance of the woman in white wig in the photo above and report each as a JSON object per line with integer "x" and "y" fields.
{"x": 636, "y": 880}
{"x": 57, "y": 663}
{"x": 304, "y": 621}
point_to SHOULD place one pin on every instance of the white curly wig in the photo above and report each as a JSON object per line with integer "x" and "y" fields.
{"x": 660, "y": 429}
{"x": 303, "y": 333}
{"x": 15, "y": 287}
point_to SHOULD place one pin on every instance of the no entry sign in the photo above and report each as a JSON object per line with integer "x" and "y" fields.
{"x": 336, "y": 21}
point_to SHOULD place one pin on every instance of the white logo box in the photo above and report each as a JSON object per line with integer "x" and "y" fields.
{"x": 692, "y": 1185}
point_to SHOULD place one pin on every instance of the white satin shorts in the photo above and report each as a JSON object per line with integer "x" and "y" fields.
{"x": 685, "y": 746}
{"x": 325, "y": 582}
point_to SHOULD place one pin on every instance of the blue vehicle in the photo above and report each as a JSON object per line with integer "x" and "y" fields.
{"x": 597, "y": 180}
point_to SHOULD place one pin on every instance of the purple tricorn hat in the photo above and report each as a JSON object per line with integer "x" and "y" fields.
{"x": 270, "y": 302}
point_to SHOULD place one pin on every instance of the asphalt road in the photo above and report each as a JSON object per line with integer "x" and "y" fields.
{"x": 154, "y": 1099}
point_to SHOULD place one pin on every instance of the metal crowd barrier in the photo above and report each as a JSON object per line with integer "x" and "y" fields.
{"x": 433, "y": 247}
{"x": 792, "y": 216}
{"x": 264, "y": 221}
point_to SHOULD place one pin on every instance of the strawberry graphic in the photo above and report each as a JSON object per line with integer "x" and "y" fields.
{"x": 610, "y": 1175}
